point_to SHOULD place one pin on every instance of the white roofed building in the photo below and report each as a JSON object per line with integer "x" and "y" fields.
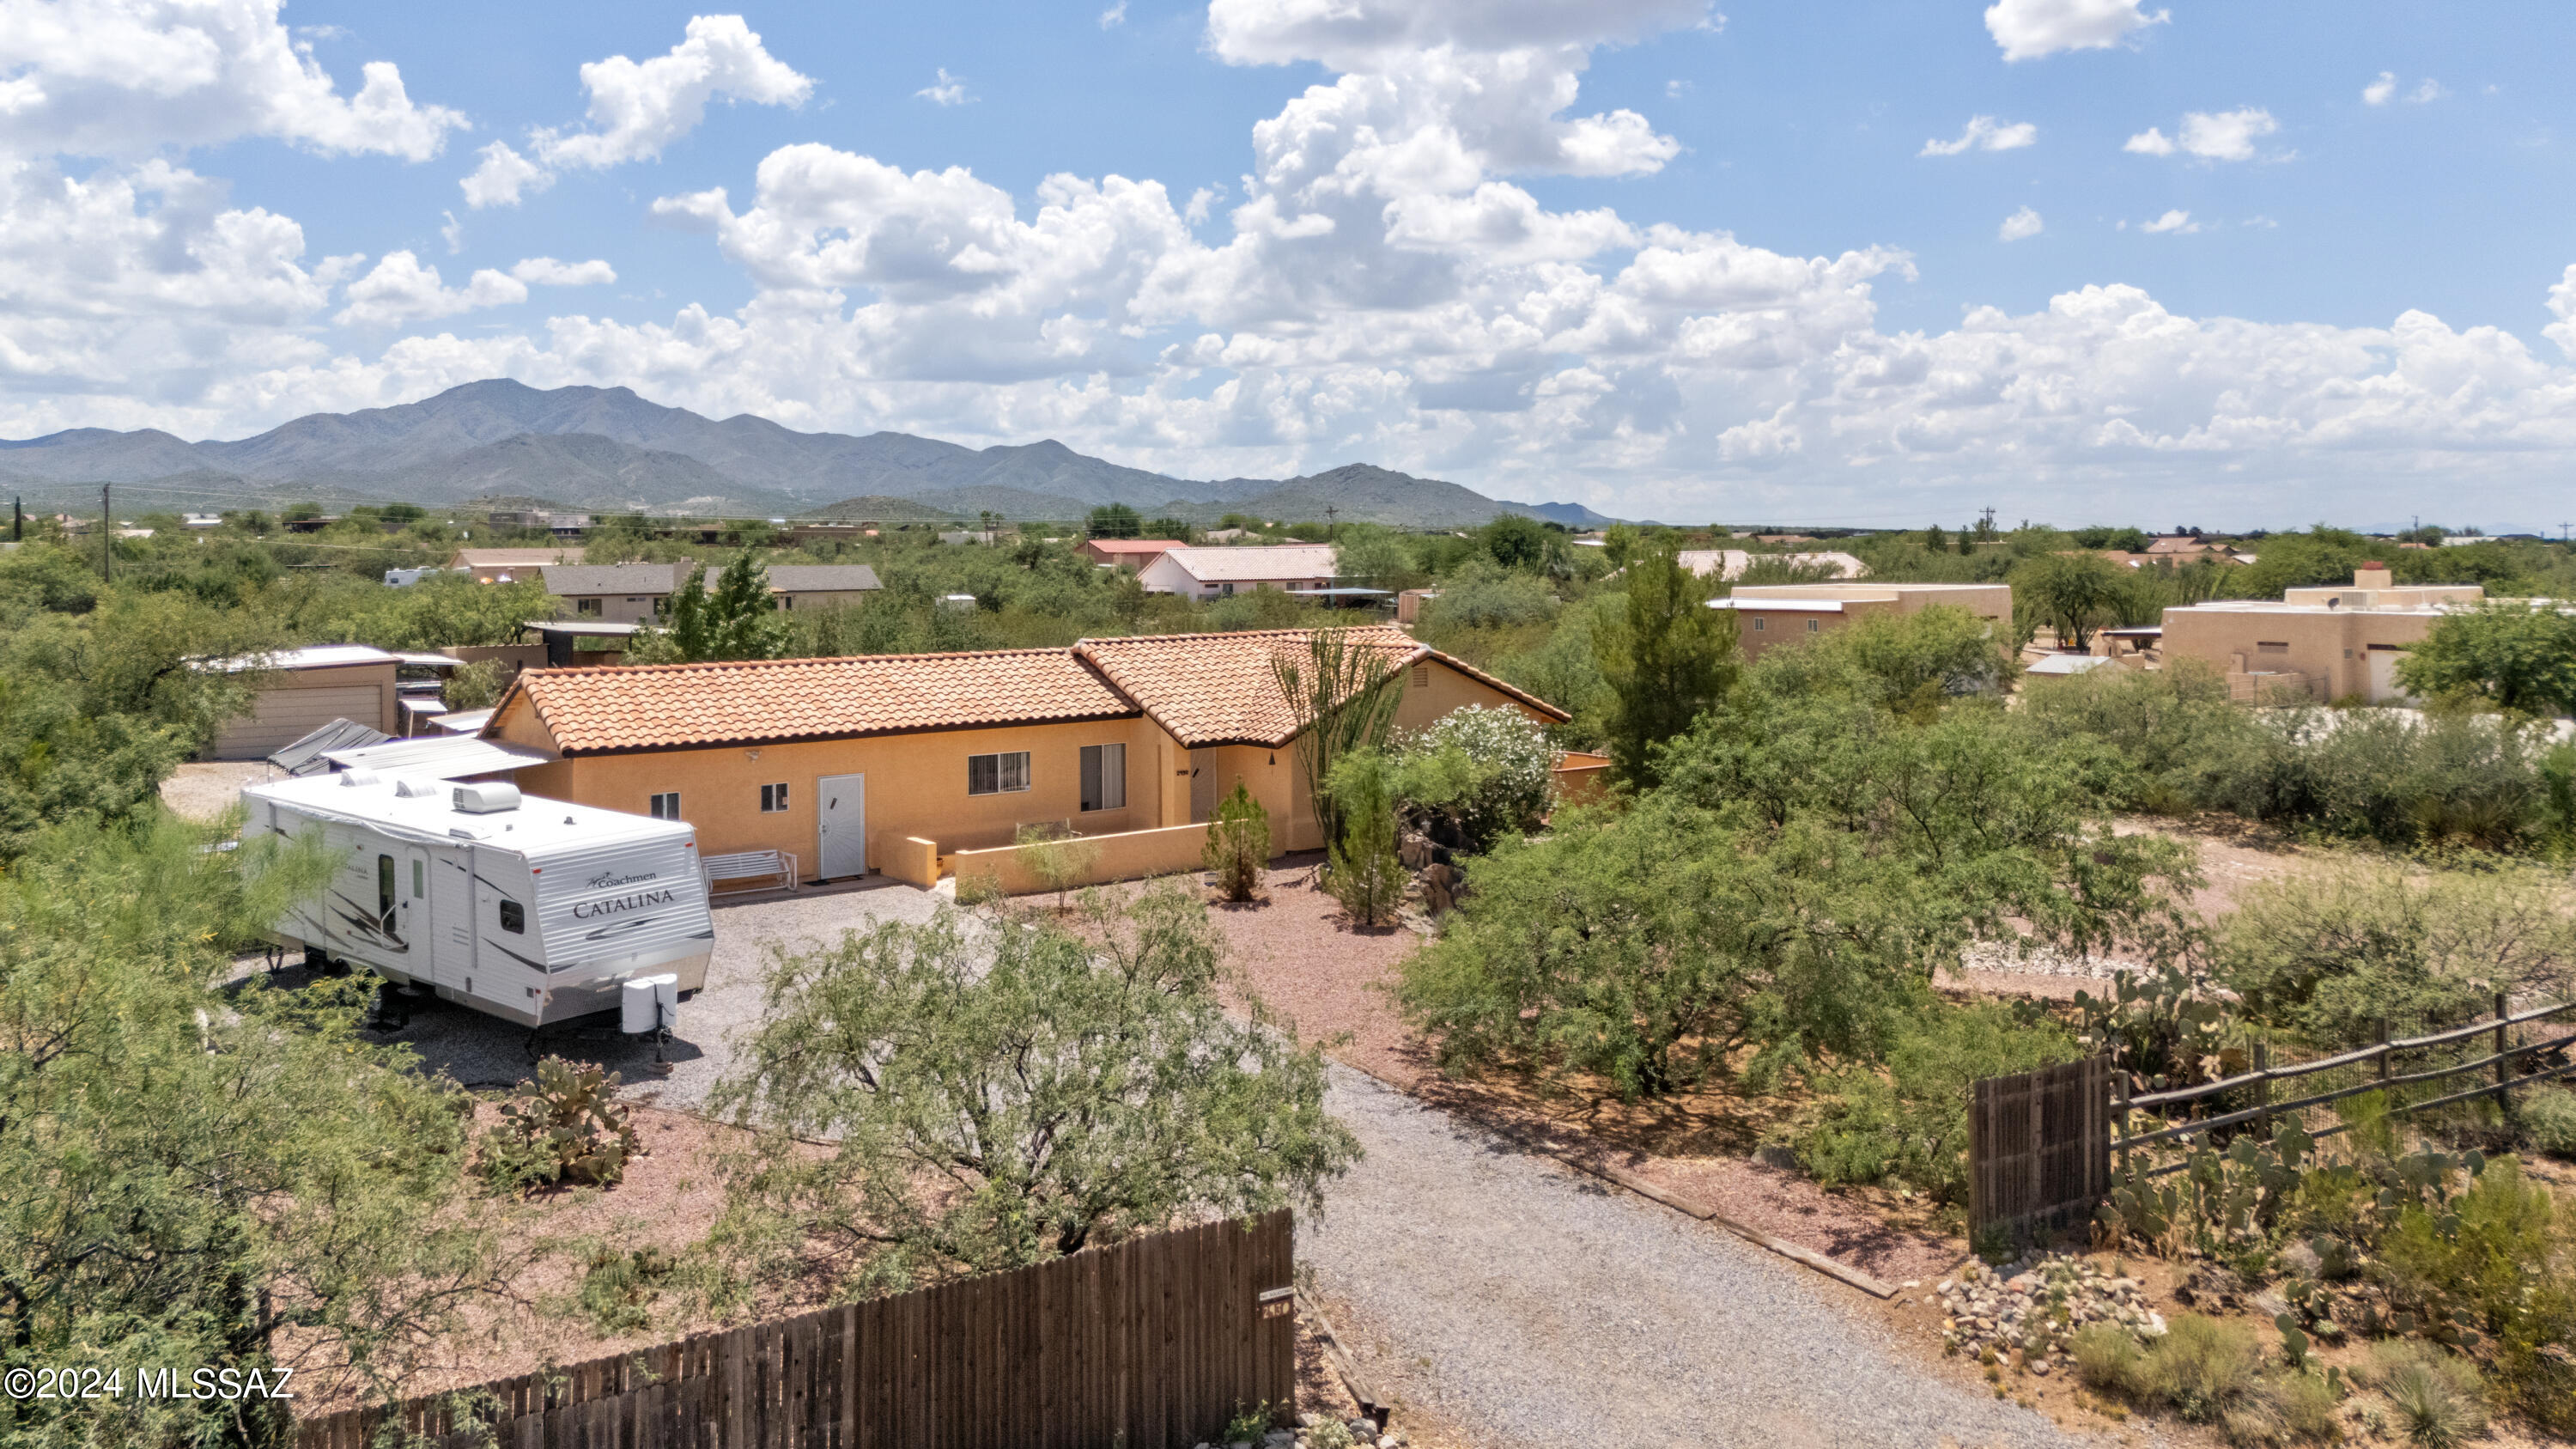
{"x": 1216, "y": 573}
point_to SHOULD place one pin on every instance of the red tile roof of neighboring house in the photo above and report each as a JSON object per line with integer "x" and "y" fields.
{"x": 1206, "y": 689}
{"x": 1210, "y": 689}
{"x": 679, "y": 706}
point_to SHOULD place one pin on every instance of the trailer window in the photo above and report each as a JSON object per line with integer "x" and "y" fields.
{"x": 514, "y": 918}
{"x": 419, "y": 879}
{"x": 385, "y": 891}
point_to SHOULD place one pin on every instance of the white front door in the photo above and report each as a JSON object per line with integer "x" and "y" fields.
{"x": 841, "y": 815}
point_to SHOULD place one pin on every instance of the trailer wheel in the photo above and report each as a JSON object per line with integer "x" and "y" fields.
{"x": 387, "y": 1013}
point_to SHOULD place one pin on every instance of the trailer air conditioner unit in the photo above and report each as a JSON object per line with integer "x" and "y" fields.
{"x": 486, "y": 797}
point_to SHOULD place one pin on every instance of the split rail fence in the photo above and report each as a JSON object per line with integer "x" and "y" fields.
{"x": 1157, "y": 1341}
{"x": 2040, "y": 1144}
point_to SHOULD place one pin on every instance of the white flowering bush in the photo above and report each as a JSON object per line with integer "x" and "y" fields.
{"x": 1475, "y": 776}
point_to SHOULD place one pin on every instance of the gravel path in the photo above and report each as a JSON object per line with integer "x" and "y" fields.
{"x": 1538, "y": 1307}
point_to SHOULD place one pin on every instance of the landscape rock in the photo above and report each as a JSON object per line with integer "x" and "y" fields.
{"x": 2037, "y": 1309}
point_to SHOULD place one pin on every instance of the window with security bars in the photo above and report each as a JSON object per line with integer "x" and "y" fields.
{"x": 997, "y": 774}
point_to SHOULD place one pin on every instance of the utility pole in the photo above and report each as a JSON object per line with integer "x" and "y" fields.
{"x": 1331, "y": 514}
{"x": 18, "y": 520}
{"x": 106, "y": 536}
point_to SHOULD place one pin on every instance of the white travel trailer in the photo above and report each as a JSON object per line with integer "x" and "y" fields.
{"x": 526, "y": 908}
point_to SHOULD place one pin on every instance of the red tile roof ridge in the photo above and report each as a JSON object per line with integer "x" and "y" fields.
{"x": 567, "y": 671}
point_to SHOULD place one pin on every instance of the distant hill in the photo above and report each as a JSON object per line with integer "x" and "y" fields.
{"x": 608, "y": 449}
{"x": 875, "y": 508}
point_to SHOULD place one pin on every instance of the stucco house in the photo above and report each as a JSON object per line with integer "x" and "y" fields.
{"x": 639, "y": 593}
{"x": 2327, "y": 643}
{"x": 1730, "y": 563}
{"x": 1216, "y": 573}
{"x": 909, "y": 764}
{"x": 1131, "y": 554}
{"x": 1767, "y": 615}
{"x": 511, "y": 565}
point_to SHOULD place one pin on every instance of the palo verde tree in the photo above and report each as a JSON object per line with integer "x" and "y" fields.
{"x": 1343, "y": 697}
{"x": 1014, "y": 1092}
{"x": 195, "y": 1175}
{"x": 1669, "y": 660}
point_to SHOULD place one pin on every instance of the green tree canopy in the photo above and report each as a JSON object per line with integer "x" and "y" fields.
{"x": 1008, "y": 1093}
{"x": 193, "y": 1172}
{"x": 2507, "y": 653}
{"x": 1115, "y": 520}
{"x": 1670, "y": 659}
{"x": 2075, "y": 593}
{"x": 734, "y": 620}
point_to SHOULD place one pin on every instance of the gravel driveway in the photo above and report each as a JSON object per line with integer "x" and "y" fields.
{"x": 483, "y": 1051}
{"x": 1534, "y": 1306}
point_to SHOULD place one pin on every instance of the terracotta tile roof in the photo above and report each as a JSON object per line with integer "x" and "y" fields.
{"x": 672, "y": 706}
{"x": 1210, "y": 689}
{"x": 1206, "y": 689}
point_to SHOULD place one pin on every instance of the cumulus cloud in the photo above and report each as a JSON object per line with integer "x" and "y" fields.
{"x": 2377, "y": 93}
{"x": 123, "y": 78}
{"x": 401, "y": 290}
{"x": 2210, "y": 136}
{"x": 2020, "y": 225}
{"x": 638, "y": 108}
{"x": 453, "y": 233}
{"x": 2427, "y": 93}
{"x": 948, "y": 90}
{"x": 2029, "y": 29}
{"x": 1984, "y": 133}
{"x": 2176, "y": 222}
{"x": 547, "y": 272}
{"x": 1381, "y": 283}
{"x": 1115, "y": 15}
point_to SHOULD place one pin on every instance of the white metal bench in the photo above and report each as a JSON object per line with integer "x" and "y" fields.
{"x": 752, "y": 865}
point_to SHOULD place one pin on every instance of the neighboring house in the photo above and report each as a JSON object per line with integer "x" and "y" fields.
{"x": 1131, "y": 554}
{"x": 509, "y": 565}
{"x": 1216, "y": 573}
{"x": 2327, "y": 643}
{"x": 885, "y": 761}
{"x": 307, "y": 689}
{"x": 1772, "y": 614}
{"x": 1730, "y": 563}
{"x": 630, "y": 593}
{"x": 817, "y": 586}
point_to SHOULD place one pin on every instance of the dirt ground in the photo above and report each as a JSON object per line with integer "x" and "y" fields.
{"x": 204, "y": 789}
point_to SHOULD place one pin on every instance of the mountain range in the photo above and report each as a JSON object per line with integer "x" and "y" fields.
{"x": 606, "y": 449}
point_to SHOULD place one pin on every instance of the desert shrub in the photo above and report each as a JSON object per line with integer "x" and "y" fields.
{"x": 618, "y": 1289}
{"x": 1055, "y": 857}
{"x": 2438, "y": 1397}
{"x": 2302, "y": 1405}
{"x": 2108, "y": 1358}
{"x": 2169, "y": 728}
{"x": 1238, "y": 844}
{"x": 565, "y": 1126}
{"x": 1476, "y": 775}
{"x": 983, "y": 888}
{"x": 2330, "y": 955}
{"x": 1911, "y": 1121}
{"x": 2549, "y": 1121}
{"x": 1364, "y": 873}
{"x": 2202, "y": 1368}
{"x": 1484, "y": 595}
{"x": 2389, "y": 776}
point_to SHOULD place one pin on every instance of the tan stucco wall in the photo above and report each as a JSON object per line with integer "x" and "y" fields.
{"x": 821, "y": 598}
{"x": 2331, "y": 646}
{"x": 1130, "y": 856}
{"x": 917, "y": 782}
{"x": 1990, "y": 602}
{"x": 916, "y": 785}
{"x": 615, "y": 608}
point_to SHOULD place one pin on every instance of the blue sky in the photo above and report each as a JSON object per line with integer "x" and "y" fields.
{"x": 2277, "y": 260}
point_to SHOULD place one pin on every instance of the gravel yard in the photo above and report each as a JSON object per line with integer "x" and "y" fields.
{"x": 204, "y": 789}
{"x": 1534, "y": 1306}
{"x": 483, "y": 1051}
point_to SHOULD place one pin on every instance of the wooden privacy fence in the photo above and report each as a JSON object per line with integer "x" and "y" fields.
{"x": 2040, "y": 1143}
{"x": 2039, "y": 1146}
{"x": 1154, "y": 1342}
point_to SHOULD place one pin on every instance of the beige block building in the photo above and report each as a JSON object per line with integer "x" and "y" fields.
{"x": 2326, "y": 643}
{"x": 1769, "y": 615}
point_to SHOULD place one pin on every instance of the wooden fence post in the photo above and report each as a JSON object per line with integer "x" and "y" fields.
{"x": 2503, "y": 1088}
